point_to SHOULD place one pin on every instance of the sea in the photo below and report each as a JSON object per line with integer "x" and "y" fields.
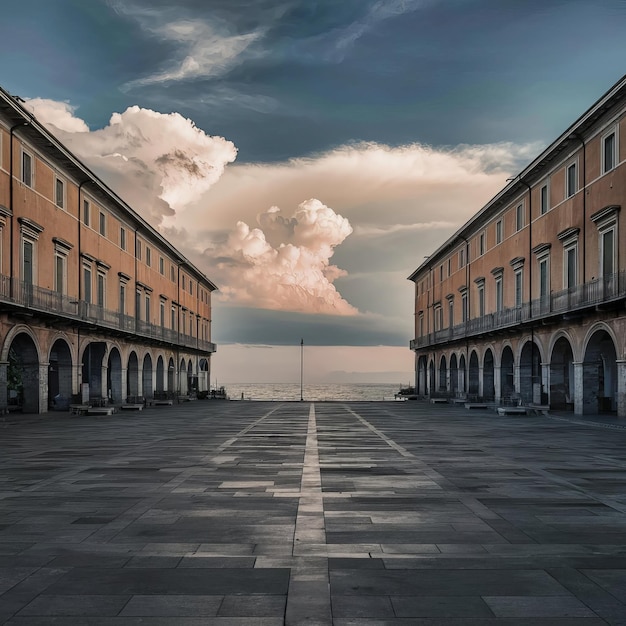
{"x": 312, "y": 393}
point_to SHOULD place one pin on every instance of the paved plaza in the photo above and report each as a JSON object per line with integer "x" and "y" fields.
{"x": 264, "y": 514}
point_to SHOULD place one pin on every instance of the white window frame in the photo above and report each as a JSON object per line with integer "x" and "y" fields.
{"x": 60, "y": 202}
{"x": 571, "y": 192}
{"x": 102, "y": 223}
{"x": 462, "y": 259}
{"x": 451, "y": 312}
{"x": 138, "y": 249}
{"x": 464, "y": 307}
{"x": 481, "y": 300}
{"x": 148, "y": 256}
{"x": 122, "y": 297}
{"x": 31, "y": 179}
{"x": 147, "y": 307}
{"x": 33, "y": 243}
{"x": 544, "y": 198}
{"x": 519, "y": 282}
{"x": 499, "y": 231}
{"x": 162, "y": 312}
{"x": 544, "y": 260}
{"x": 162, "y": 266}
{"x": 87, "y": 213}
{"x": 499, "y": 294}
{"x": 173, "y": 317}
{"x": 87, "y": 269}
{"x": 61, "y": 251}
{"x": 609, "y": 132}
{"x": 101, "y": 281}
{"x": 612, "y": 229}
{"x": 519, "y": 217}
{"x": 122, "y": 238}
{"x": 481, "y": 243}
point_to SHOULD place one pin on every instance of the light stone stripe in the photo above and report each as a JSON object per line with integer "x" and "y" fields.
{"x": 308, "y": 599}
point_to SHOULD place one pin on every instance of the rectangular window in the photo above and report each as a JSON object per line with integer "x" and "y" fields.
{"x": 172, "y": 274}
{"x": 173, "y": 325}
{"x": 184, "y": 318}
{"x": 123, "y": 238}
{"x": 451, "y": 312}
{"x": 27, "y": 169}
{"x": 101, "y": 290}
{"x": 103, "y": 224}
{"x": 147, "y": 308}
{"x": 499, "y": 298}
{"x": 162, "y": 266}
{"x": 122, "y": 299}
{"x": 608, "y": 253}
{"x": 148, "y": 257}
{"x": 449, "y": 267}
{"x": 519, "y": 217}
{"x": 421, "y": 333}
{"x": 28, "y": 261}
{"x": 162, "y": 314}
{"x": 60, "y": 273}
{"x": 543, "y": 199}
{"x": 571, "y": 180}
{"x": 59, "y": 195}
{"x": 571, "y": 263}
{"x": 608, "y": 152}
{"x": 184, "y": 282}
{"x": 441, "y": 273}
{"x": 138, "y": 304}
{"x": 87, "y": 284}
{"x": 191, "y": 287}
{"x": 481, "y": 301}
{"x": 86, "y": 213}
{"x": 519, "y": 288}
{"x": 499, "y": 231}
{"x": 464, "y": 307}
{"x": 462, "y": 257}
{"x": 481, "y": 244}
{"x": 544, "y": 279}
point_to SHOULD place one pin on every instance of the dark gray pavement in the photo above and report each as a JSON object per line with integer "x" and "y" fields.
{"x": 244, "y": 513}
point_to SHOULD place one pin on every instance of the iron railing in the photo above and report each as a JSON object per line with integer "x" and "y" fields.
{"x": 593, "y": 293}
{"x": 34, "y": 298}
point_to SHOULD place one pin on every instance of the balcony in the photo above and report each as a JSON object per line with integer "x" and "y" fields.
{"x": 33, "y": 298}
{"x": 591, "y": 294}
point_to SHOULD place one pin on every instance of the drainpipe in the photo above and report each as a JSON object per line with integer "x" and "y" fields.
{"x": 467, "y": 312}
{"x": 11, "y": 184}
{"x": 80, "y": 281}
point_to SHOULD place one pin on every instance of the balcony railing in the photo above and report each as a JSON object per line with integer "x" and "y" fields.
{"x": 43, "y": 300}
{"x": 593, "y": 293}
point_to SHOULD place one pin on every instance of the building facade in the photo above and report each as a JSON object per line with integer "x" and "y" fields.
{"x": 527, "y": 301}
{"x": 94, "y": 303}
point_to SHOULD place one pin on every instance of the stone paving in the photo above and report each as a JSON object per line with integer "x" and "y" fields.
{"x": 264, "y": 514}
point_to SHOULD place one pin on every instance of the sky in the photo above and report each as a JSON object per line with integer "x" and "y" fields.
{"x": 307, "y": 155}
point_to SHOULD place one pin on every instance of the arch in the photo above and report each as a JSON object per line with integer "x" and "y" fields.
{"x": 530, "y": 373}
{"x": 443, "y": 374}
{"x": 160, "y": 377}
{"x": 421, "y": 375}
{"x": 507, "y": 381}
{"x": 114, "y": 376}
{"x": 146, "y": 376}
{"x": 600, "y": 373}
{"x": 473, "y": 374}
{"x": 132, "y": 376}
{"x": 489, "y": 390}
{"x": 562, "y": 375}
{"x": 92, "y": 364}
{"x": 462, "y": 374}
{"x": 23, "y": 380}
{"x": 60, "y": 375}
{"x": 430, "y": 381}
{"x": 171, "y": 373}
{"x": 454, "y": 374}
{"x": 192, "y": 379}
{"x": 182, "y": 377}
{"x": 203, "y": 375}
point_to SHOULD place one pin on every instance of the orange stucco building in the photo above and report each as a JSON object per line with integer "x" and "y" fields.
{"x": 95, "y": 305}
{"x": 526, "y": 302}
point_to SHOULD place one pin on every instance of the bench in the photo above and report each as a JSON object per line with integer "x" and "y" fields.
{"x": 475, "y": 405}
{"x": 539, "y": 409}
{"x": 512, "y": 410}
{"x": 100, "y": 410}
{"x": 132, "y": 407}
{"x": 162, "y": 402}
{"x": 79, "y": 409}
{"x": 438, "y": 401}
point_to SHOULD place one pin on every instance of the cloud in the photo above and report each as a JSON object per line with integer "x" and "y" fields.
{"x": 284, "y": 264}
{"x": 206, "y": 48}
{"x": 159, "y": 163}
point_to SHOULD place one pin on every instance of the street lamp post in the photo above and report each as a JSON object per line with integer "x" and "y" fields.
{"x": 301, "y": 366}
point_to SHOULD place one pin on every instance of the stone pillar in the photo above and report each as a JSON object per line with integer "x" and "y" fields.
{"x": 578, "y": 388}
{"x": 621, "y": 387}
{"x": 516, "y": 379}
{"x": 43, "y": 388}
{"x": 497, "y": 384}
{"x": 481, "y": 381}
{"x": 545, "y": 382}
{"x": 124, "y": 389}
{"x": 77, "y": 378}
{"x": 104, "y": 381}
{"x": 4, "y": 370}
